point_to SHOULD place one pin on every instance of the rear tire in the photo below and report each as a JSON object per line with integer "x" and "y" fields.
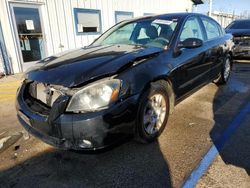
{"x": 153, "y": 112}
{"x": 225, "y": 72}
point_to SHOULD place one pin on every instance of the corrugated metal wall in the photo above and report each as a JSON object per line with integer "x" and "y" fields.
{"x": 59, "y": 23}
{"x": 225, "y": 19}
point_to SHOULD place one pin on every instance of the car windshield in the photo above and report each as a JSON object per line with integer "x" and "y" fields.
{"x": 147, "y": 32}
{"x": 244, "y": 24}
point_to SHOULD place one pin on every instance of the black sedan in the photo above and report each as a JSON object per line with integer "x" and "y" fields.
{"x": 240, "y": 29}
{"x": 125, "y": 83}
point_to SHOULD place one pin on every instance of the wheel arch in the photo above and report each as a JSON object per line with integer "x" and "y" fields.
{"x": 169, "y": 87}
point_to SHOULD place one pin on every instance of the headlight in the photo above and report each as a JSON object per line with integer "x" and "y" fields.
{"x": 95, "y": 97}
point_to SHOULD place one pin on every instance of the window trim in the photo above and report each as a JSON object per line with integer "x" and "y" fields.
{"x": 83, "y": 10}
{"x": 126, "y": 13}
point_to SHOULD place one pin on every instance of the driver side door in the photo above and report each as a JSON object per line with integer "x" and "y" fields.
{"x": 193, "y": 68}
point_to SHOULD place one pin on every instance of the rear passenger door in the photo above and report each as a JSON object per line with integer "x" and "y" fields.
{"x": 216, "y": 44}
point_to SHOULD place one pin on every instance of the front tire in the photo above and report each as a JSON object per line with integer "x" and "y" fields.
{"x": 153, "y": 112}
{"x": 225, "y": 72}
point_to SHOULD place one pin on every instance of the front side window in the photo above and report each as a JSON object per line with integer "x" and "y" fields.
{"x": 211, "y": 28}
{"x": 148, "y": 32}
{"x": 87, "y": 21}
{"x": 191, "y": 29}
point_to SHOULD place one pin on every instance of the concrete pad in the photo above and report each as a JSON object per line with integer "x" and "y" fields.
{"x": 232, "y": 167}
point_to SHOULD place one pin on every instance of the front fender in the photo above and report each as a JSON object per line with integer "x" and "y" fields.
{"x": 139, "y": 76}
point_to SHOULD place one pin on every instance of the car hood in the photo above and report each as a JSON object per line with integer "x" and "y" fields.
{"x": 238, "y": 32}
{"x": 82, "y": 65}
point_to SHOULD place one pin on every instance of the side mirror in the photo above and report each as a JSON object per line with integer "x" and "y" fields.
{"x": 190, "y": 43}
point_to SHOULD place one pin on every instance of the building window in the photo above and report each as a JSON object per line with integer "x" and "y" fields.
{"x": 87, "y": 21}
{"x": 121, "y": 15}
{"x": 148, "y": 14}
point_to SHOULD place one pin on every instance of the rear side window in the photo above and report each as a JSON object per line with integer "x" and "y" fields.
{"x": 212, "y": 28}
{"x": 191, "y": 29}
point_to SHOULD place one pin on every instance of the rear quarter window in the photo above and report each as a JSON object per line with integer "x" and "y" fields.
{"x": 213, "y": 30}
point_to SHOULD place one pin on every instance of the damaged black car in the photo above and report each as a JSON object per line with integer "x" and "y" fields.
{"x": 240, "y": 29}
{"x": 126, "y": 83}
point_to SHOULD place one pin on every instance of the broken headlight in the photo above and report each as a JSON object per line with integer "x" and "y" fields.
{"x": 94, "y": 97}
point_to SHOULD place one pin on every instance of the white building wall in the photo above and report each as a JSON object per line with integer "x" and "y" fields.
{"x": 224, "y": 19}
{"x": 59, "y": 24}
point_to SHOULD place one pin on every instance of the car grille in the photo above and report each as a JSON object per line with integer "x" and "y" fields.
{"x": 44, "y": 93}
{"x": 242, "y": 40}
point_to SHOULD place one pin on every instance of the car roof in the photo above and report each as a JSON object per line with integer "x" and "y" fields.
{"x": 242, "y": 20}
{"x": 181, "y": 14}
{"x": 168, "y": 15}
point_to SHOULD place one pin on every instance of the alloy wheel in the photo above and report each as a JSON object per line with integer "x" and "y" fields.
{"x": 154, "y": 114}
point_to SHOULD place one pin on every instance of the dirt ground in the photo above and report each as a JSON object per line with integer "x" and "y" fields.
{"x": 195, "y": 125}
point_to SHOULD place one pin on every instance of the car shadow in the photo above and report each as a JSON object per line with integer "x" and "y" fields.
{"x": 228, "y": 102}
{"x": 129, "y": 165}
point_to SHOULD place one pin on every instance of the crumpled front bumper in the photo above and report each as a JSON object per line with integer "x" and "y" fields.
{"x": 83, "y": 131}
{"x": 241, "y": 52}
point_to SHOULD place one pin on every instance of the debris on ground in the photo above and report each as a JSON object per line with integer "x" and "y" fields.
{"x": 9, "y": 140}
{"x": 26, "y": 135}
{"x": 4, "y": 140}
{"x": 2, "y": 133}
{"x": 16, "y": 147}
{"x": 191, "y": 124}
{"x": 15, "y": 156}
{"x": 2, "y": 75}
